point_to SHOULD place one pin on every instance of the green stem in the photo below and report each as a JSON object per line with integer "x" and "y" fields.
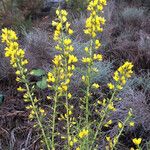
{"x": 101, "y": 121}
{"x": 66, "y": 93}
{"x": 67, "y": 104}
{"x": 88, "y": 91}
{"x": 120, "y": 133}
{"x": 68, "y": 122}
{"x": 54, "y": 119}
{"x": 34, "y": 107}
{"x": 37, "y": 117}
{"x": 139, "y": 148}
{"x": 87, "y": 95}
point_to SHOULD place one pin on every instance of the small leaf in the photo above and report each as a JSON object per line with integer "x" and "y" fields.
{"x": 1, "y": 98}
{"x": 37, "y": 72}
{"x": 42, "y": 84}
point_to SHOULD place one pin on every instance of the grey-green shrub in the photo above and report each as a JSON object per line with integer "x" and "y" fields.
{"x": 132, "y": 16}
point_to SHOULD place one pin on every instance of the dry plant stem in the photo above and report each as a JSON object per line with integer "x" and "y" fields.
{"x": 34, "y": 108}
{"x": 102, "y": 119}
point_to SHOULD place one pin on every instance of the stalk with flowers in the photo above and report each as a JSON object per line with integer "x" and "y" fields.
{"x": 65, "y": 60}
{"x": 18, "y": 62}
{"x": 93, "y": 27}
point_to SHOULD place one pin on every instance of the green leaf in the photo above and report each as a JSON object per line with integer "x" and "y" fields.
{"x": 1, "y": 98}
{"x": 37, "y": 72}
{"x": 42, "y": 84}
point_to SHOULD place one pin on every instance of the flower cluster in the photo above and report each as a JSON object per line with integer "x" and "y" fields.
{"x": 137, "y": 142}
{"x": 16, "y": 54}
{"x": 121, "y": 75}
{"x": 93, "y": 26}
{"x": 61, "y": 25}
{"x": 65, "y": 61}
{"x": 94, "y": 22}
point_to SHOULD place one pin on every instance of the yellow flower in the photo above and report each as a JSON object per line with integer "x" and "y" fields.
{"x": 86, "y": 49}
{"x": 130, "y": 113}
{"x": 70, "y": 31}
{"x": 137, "y": 141}
{"x": 24, "y": 62}
{"x": 20, "y": 89}
{"x": 97, "y": 57}
{"x": 18, "y": 72}
{"x": 111, "y": 86}
{"x": 108, "y": 138}
{"x": 95, "y": 85}
{"x": 119, "y": 87}
{"x": 108, "y": 123}
{"x": 116, "y": 76}
{"x": 72, "y": 59}
{"x": 97, "y": 44}
{"x": 57, "y": 60}
{"x": 71, "y": 143}
{"x": 67, "y": 41}
{"x": 83, "y": 133}
{"x": 67, "y": 25}
{"x": 70, "y": 112}
{"x": 83, "y": 78}
{"x": 111, "y": 107}
{"x": 57, "y": 12}
{"x": 75, "y": 140}
{"x": 120, "y": 125}
{"x": 51, "y": 77}
{"x": 57, "y": 47}
{"x": 131, "y": 124}
{"x": 69, "y": 95}
{"x": 64, "y": 12}
{"x": 41, "y": 110}
{"x": 64, "y": 88}
{"x": 54, "y": 23}
{"x": 86, "y": 60}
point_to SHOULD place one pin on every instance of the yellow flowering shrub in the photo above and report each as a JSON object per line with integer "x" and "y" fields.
{"x": 76, "y": 131}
